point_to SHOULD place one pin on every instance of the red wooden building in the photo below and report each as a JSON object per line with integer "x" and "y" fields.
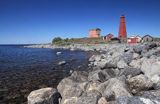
{"x": 132, "y": 40}
{"x": 108, "y": 37}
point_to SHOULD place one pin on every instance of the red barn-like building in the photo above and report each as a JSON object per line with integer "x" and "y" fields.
{"x": 132, "y": 40}
{"x": 108, "y": 37}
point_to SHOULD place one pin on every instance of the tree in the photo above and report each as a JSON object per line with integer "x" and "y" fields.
{"x": 57, "y": 40}
{"x": 66, "y": 40}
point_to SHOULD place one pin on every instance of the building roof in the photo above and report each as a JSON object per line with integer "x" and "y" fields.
{"x": 97, "y": 29}
{"x": 147, "y": 36}
{"x": 109, "y": 34}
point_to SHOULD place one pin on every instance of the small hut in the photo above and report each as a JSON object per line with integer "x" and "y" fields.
{"x": 147, "y": 38}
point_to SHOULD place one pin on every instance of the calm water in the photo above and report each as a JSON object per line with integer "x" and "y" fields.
{"x": 19, "y": 58}
{"x": 25, "y": 69}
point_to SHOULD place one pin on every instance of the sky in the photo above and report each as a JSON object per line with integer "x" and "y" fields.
{"x": 39, "y": 21}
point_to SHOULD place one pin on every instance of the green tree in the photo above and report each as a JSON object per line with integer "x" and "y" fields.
{"x": 57, "y": 40}
{"x": 66, "y": 40}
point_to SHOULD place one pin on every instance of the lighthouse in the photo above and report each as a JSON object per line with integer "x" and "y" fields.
{"x": 122, "y": 34}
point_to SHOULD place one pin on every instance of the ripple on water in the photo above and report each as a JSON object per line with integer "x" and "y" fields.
{"x": 25, "y": 69}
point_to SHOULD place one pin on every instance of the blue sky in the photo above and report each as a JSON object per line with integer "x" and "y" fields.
{"x": 38, "y": 21}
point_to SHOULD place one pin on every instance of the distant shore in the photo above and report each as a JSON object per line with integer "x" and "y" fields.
{"x": 72, "y": 47}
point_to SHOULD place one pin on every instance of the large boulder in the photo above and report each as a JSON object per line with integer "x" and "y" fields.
{"x": 112, "y": 72}
{"x": 127, "y": 57}
{"x": 73, "y": 86}
{"x": 44, "y": 96}
{"x": 136, "y": 56}
{"x": 136, "y": 63}
{"x": 98, "y": 75}
{"x": 139, "y": 83}
{"x": 135, "y": 100}
{"x": 96, "y": 57}
{"x": 151, "y": 67}
{"x": 107, "y": 62}
{"x": 121, "y": 64}
{"x": 71, "y": 100}
{"x": 79, "y": 76}
{"x": 129, "y": 71}
{"x": 100, "y": 63}
{"x": 151, "y": 94}
{"x": 70, "y": 88}
{"x": 112, "y": 61}
{"x": 92, "y": 86}
{"x": 156, "y": 81}
{"x": 138, "y": 49}
{"x": 90, "y": 98}
{"x": 114, "y": 87}
{"x": 150, "y": 46}
{"x": 103, "y": 100}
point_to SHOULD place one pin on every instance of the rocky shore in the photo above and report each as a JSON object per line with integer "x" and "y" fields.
{"x": 72, "y": 47}
{"x": 121, "y": 74}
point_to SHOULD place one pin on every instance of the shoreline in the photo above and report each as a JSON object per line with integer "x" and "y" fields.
{"x": 120, "y": 74}
{"x": 83, "y": 47}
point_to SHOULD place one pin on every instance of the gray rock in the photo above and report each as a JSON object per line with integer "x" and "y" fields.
{"x": 70, "y": 88}
{"x": 107, "y": 61}
{"x": 157, "y": 52}
{"x": 96, "y": 57}
{"x": 139, "y": 83}
{"x": 79, "y": 76}
{"x": 103, "y": 100}
{"x": 149, "y": 49}
{"x": 151, "y": 67}
{"x": 121, "y": 64}
{"x": 138, "y": 49}
{"x": 58, "y": 53}
{"x": 127, "y": 57}
{"x": 92, "y": 86}
{"x": 111, "y": 72}
{"x": 135, "y": 56}
{"x": 62, "y": 63}
{"x": 129, "y": 71}
{"x": 71, "y": 100}
{"x": 151, "y": 94}
{"x": 135, "y": 100}
{"x": 102, "y": 63}
{"x": 112, "y": 62}
{"x": 117, "y": 86}
{"x": 109, "y": 95}
{"x": 126, "y": 49}
{"x": 90, "y": 98}
{"x": 98, "y": 75}
{"x": 136, "y": 63}
{"x": 156, "y": 82}
{"x": 44, "y": 96}
{"x": 150, "y": 46}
